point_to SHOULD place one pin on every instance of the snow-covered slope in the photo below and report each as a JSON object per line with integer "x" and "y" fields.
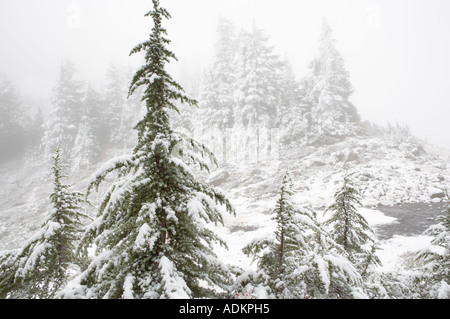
{"x": 386, "y": 174}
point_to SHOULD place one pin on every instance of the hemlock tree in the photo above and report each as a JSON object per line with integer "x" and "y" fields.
{"x": 324, "y": 270}
{"x": 327, "y": 90}
{"x": 40, "y": 267}
{"x": 153, "y": 232}
{"x": 14, "y": 123}
{"x": 62, "y": 127}
{"x": 120, "y": 113}
{"x": 37, "y": 128}
{"x": 255, "y": 111}
{"x": 301, "y": 260}
{"x": 115, "y": 92}
{"x": 291, "y": 110}
{"x": 350, "y": 229}
{"x": 87, "y": 142}
{"x": 216, "y": 99}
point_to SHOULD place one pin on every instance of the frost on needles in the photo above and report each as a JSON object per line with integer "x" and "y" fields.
{"x": 152, "y": 234}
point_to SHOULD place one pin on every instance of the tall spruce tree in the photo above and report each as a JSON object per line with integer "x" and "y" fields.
{"x": 327, "y": 92}
{"x": 350, "y": 229}
{"x": 152, "y": 234}
{"x": 39, "y": 269}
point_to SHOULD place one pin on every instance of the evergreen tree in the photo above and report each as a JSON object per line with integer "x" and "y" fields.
{"x": 435, "y": 281}
{"x": 87, "y": 142}
{"x": 327, "y": 91}
{"x": 115, "y": 93}
{"x": 62, "y": 128}
{"x": 257, "y": 80}
{"x": 14, "y": 122}
{"x": 8, "y": 269}
{"x": 119, "y": 113}
{"x": 37, "y": 128}
{"x": 291, "y": 114}
{"x": 324, "y": 270}
{"x": 277, "y": 252}
{"x": 258, "y": 73}
{"x": 350, "y": 229}
{"x": 152, "y": 232}
{"x": 301, "y": 260}
{"x": 132, "y": 112}
{"x": 39, "y": 269}
{"x": 216, "y": 106}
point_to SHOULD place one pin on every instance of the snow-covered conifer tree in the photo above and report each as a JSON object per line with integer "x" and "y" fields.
{"x": 40, "y": 267}
{"x": 216, "y": 99}
{"x": 350, "y": 229}
{"x": 291, "y": 109}
{"x": 256, "y": 92}
{"x": 324, "y": 271}
{"x": 37, "y": 128}
{"x": 153, "y": 232}
{"x": 327, "y": 90}
{"x": 87, "y": 142}
{"x": 435, "y": 281}
{"x": 14, "y": 123}
{"x": 275, "y": 254}
{"x": 258, "y": 70}
{"x": 117, "y": 113}
{"x": 301, "y": 260}
{"x": 62, "y": 127}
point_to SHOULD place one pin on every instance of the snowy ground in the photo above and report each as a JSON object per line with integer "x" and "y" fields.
{"x": 249, "y": 224}
{"x": 392, "y": 249}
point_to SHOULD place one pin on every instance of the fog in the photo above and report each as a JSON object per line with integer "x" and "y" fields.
{"x": 396, "y": 51}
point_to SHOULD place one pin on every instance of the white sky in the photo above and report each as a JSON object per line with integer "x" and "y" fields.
{"x": 397, "y": 51}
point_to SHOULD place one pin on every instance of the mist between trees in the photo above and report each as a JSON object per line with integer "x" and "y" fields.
{"x": 243, "y": 146}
